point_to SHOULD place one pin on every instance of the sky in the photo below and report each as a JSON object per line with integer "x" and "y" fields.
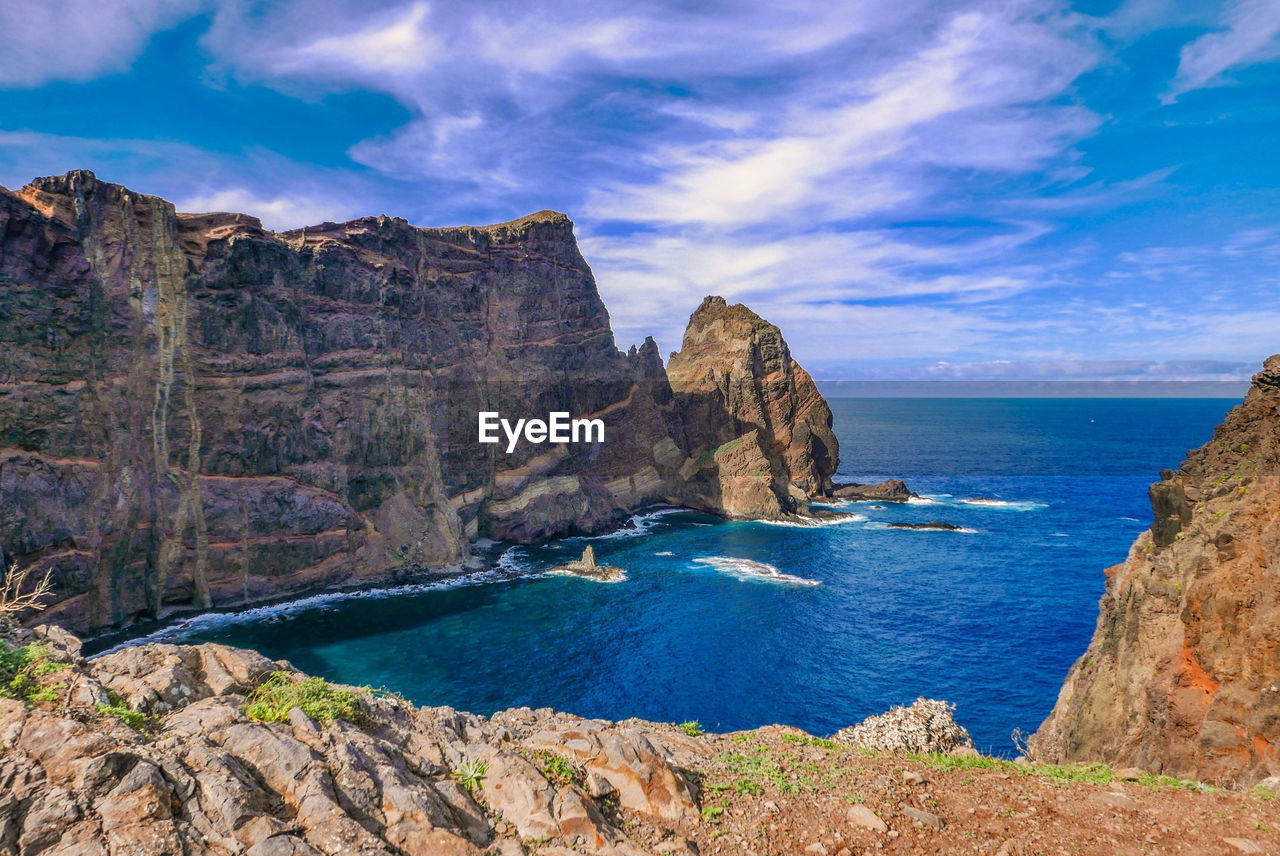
{"x": 1015, "y": 189}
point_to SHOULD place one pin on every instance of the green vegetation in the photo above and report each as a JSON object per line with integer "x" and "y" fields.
{"x": 556, "y": 769}
{"x": 316, "y": 697}
{"x": 117, "y": 707}
{"x": 712, "y": 813}
{"x": 470, "y": 773}
{"x": 1096, "y": 774}
{"x": 691, "y": 727}
{"x": 806, "y": 740}
{"x": 21, "y": 670}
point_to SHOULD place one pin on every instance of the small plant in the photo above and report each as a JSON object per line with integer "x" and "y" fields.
{"x": 712, "y": 813}
{"x": 748, "y": 787}
{"x": 556, "y": 769}
{"x": 470, "y": 773}
{"x": 117, "y": 707}
{"x": 691, "y": 727}
{"x": 806, "y": 740}
{"x": 316, "y": 697}
{"x": 20, "y": 672}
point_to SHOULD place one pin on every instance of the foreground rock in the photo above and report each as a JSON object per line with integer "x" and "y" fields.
{"x": 1183, "y": 673}
{"x": 197, "y": 412}
{"x": 928, "y": 725}
{"x": 173, "y": 763}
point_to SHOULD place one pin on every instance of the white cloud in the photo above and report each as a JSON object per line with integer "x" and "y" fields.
{"x": 400, "y": 44}
{"x": 1249, "y": 33}
{"x": 46, "y": 40}
{"x": 279, "y": 213}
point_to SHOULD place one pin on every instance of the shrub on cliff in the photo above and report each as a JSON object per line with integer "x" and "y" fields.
{"x": 926, "y": 726}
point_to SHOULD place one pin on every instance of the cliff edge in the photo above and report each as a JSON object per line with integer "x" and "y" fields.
{"x": 1183, "y": 673}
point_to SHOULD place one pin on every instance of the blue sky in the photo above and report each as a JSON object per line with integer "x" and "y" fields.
{"x": 911, "y": 189}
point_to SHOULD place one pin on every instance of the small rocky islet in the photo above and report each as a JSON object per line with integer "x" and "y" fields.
{"x": 310, "y": 442}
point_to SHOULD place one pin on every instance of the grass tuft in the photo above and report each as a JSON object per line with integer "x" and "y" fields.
{"x": 691, "y": 727}
{"x": 316, "y": 697}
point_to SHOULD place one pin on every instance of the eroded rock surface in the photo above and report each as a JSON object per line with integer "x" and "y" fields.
{"x": 197, "y": 412}
{"x": 202, "y": 777}
{"x": 757, "y": 428}
{"x": 1183, "y": 674}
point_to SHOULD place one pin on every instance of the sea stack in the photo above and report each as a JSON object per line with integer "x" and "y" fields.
{"x": 1183, "y": 674}
{"x": 758, "y": 430}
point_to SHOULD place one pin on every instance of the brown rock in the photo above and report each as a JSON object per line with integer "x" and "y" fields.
{"x": 860, "y": 815}
{"x": 758, "y": 431}
{"x": 1180, "y": 676}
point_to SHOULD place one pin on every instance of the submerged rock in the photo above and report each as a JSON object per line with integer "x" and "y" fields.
{"x": 932, "y": 524}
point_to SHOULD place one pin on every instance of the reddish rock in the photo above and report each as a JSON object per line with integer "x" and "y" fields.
{"x": 1182, "y": 677}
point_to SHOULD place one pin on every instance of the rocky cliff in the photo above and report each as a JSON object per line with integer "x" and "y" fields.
{"x": 195, "y": 411}
{"x": 757, "y": 427}
{"x": 1183, "y": 673}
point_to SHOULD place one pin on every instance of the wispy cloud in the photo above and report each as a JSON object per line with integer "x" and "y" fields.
{"x": 1248, "y": 32}
{"x": 79, "y": 39}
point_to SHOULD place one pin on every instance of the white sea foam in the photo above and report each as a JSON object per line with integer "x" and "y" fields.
{"x": 664, "y": 553}
{"x": 1013, "y": 505}
{"x": 641, "y": 524}
{"x": 1131, "y": 519}
{"x": 921, "y": 500}
{"x": 750, "y": 570}
{"x": 806, "y": 522}
{"x": 561, "y": 572}
{"x": 507, "y": 568}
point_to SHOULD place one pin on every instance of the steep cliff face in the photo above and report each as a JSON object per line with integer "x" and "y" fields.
{"x": 759, "y": 430}
{"x": 1183, "y": 673}
{"x": 195, "y": 411}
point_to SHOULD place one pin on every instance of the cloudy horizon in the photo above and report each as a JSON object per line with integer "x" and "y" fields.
{"x": 913, "y": 190}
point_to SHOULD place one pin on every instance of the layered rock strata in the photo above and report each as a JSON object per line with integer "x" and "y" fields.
{"x": 1183, "y": 674}
{"x": 197, "y": 412}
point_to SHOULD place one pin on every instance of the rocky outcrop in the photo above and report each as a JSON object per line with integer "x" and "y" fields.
{"x": 150, "y": 750}
{"x": 1183, "y": 673}
{"x": 197, "y": 412}
{"x": 588, "y": 568}
{"x": 890, "y": 490}
{"x": 757, "y": 427}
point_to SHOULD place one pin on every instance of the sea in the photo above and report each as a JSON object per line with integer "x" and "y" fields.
{"x": 741, "y": 624}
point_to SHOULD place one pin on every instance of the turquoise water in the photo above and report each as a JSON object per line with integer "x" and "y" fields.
{"x": 988, "y": 618}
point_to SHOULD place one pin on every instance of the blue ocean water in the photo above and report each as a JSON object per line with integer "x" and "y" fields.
{"x": 988, "y": 618}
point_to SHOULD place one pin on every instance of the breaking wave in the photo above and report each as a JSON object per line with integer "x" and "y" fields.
{"x": 750, "y": 571}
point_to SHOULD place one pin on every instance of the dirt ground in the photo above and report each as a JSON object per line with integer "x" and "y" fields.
{"x": 777, "y": 791}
